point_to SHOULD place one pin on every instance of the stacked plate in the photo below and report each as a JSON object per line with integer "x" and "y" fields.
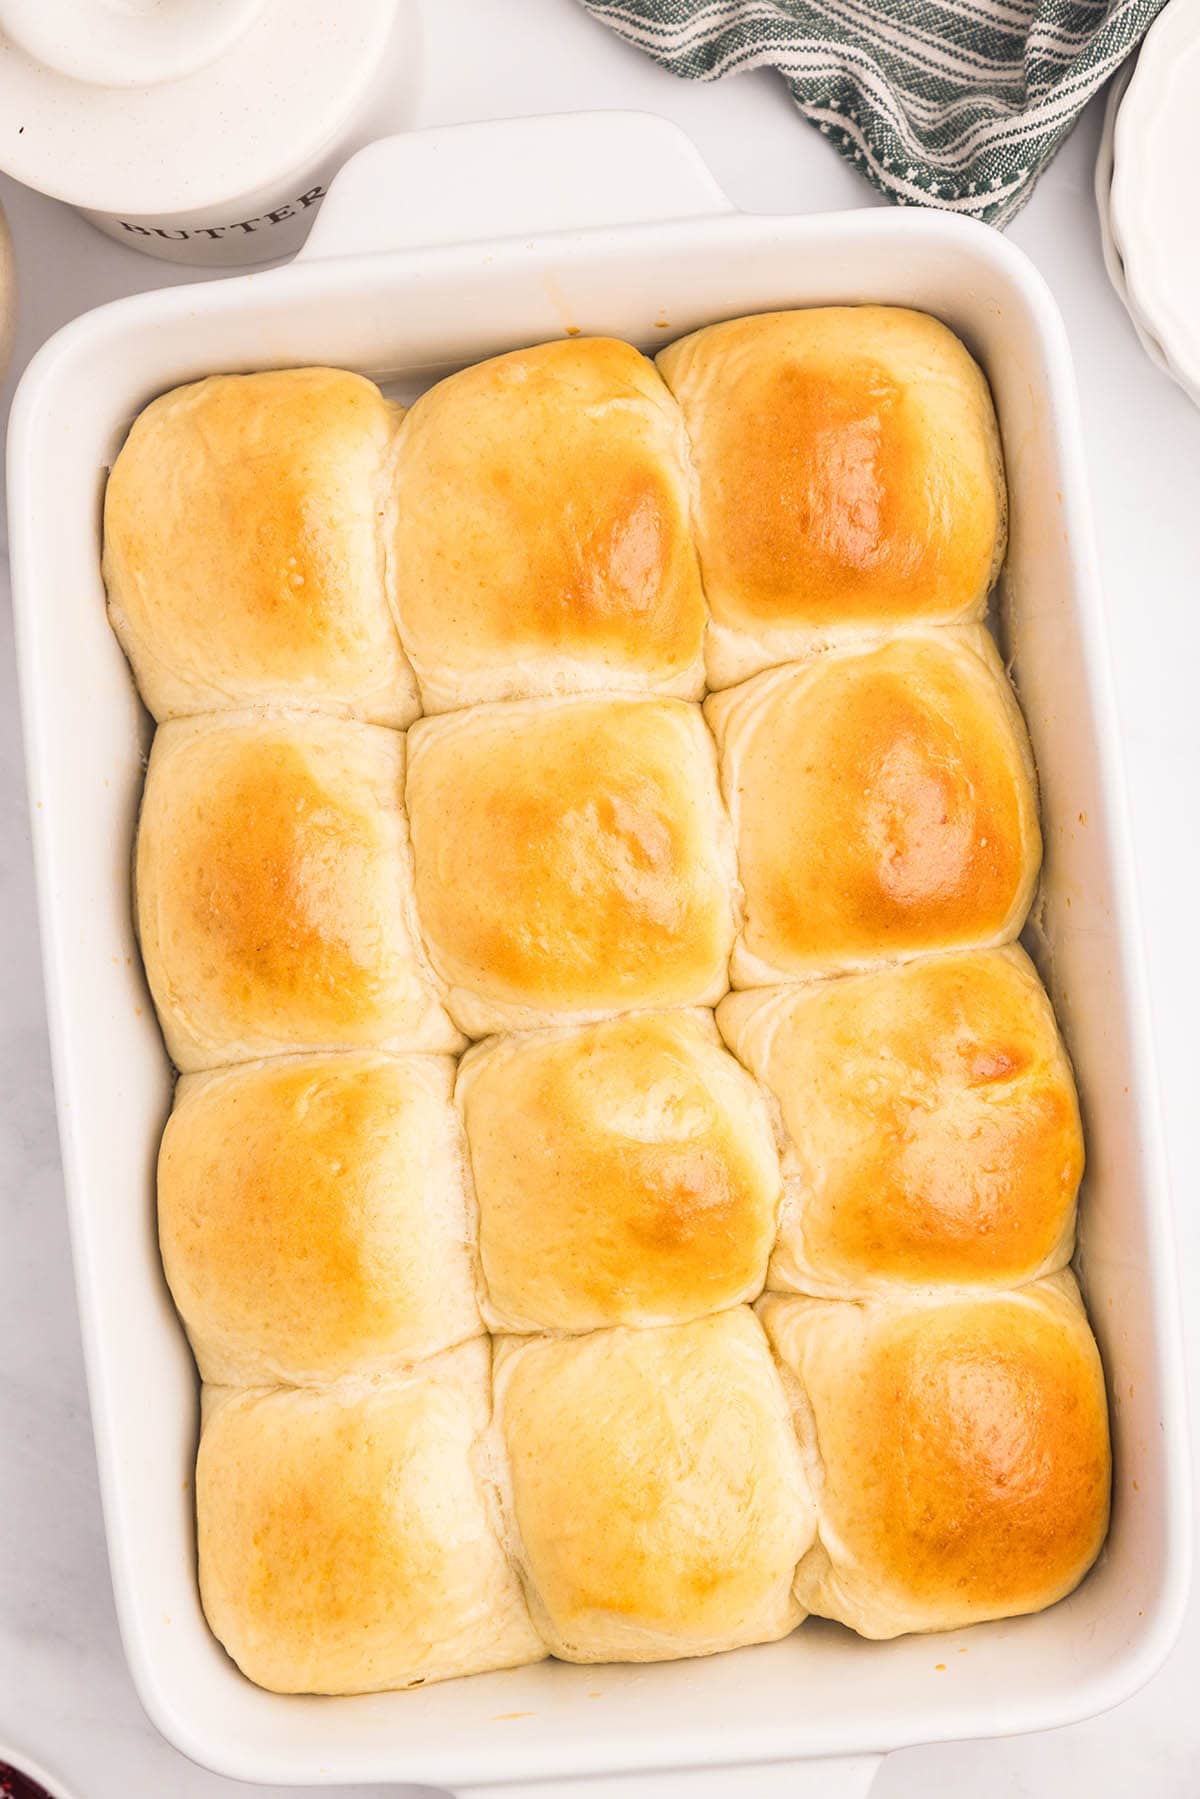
{"x": 1148, "y": 192}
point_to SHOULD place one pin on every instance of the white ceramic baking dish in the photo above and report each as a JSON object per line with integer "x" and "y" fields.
{"x": 431, "y": 251}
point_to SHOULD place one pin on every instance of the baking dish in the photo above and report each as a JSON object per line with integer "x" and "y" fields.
{"x": 435, "y": 250}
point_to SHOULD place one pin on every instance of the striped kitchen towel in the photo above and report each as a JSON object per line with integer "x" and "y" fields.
{"x": 954, "y": 103}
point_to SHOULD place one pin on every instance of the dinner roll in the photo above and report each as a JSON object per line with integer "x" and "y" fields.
{"x": 626, "y": 1173}
{"x": 312, "y": 1213}
{"x": 884, "y": 804}
{"x": 346, "y": 1535}
{"x": 242, "y": 548}
{"x": 933, "y": 1128}
{"x": 659, "y": 1497}
{"x": 848, "y": 477}
{"x": 963, "y": 1447}
{"x": 539, "y": 540}
{"x": 274, "y": 890}
{"x": 572, "y": 857}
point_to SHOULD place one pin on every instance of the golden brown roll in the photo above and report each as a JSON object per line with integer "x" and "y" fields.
{"x": 660, "y": 1502}
{"x": 539, "y": 540}
{"x": 242, "y": 548}
{"x": 346, "y": 1535}
{"x": 933, "y": 1127}
{"x": 848, "y": 477}
{"x": 884, "y": 803}
{"x": 274, "y": 890}
{"x": 626, "y": 1173}
{"x": 573, "y": 857}
{"x": 313, "y": 1216}
{"x": 963, "y": 1452}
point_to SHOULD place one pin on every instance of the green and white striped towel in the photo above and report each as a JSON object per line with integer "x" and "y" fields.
{"x": 954, "y": 103}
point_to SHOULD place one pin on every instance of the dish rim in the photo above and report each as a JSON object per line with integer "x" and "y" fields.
{"x": 335, "y": 280}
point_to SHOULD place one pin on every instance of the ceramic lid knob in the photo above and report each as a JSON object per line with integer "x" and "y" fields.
{"x": 125, "y": 43}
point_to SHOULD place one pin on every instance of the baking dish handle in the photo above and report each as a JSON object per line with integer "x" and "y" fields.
{"x": 842, "y": 1777}
{"x": 513, "y": 178}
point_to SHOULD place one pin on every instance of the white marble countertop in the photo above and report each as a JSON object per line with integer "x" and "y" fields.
{"x": 64, "y": 1690}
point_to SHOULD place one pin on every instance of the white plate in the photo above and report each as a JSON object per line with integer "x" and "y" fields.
{"x": 432, "y": 251}
{"x": 1109, "y": 247}
{"x": 1154, "y": 195}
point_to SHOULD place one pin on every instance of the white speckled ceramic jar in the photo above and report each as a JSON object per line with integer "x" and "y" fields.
{"x": 200, "y": 131}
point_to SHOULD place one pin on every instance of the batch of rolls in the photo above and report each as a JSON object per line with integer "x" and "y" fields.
{"x": 549, "y": 1295}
